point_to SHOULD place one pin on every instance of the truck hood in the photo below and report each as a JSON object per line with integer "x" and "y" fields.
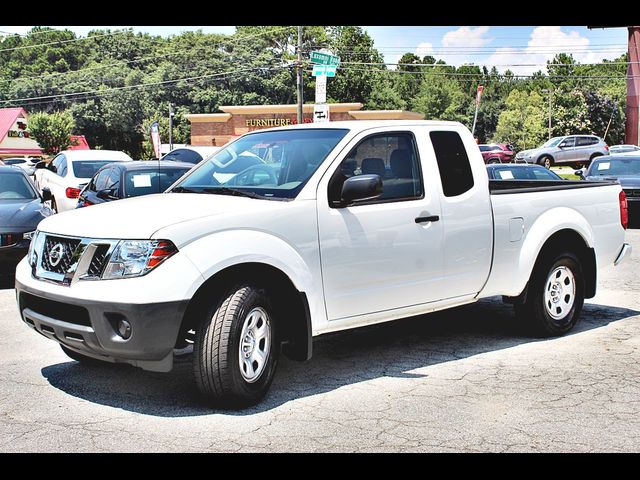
{"x": 141, "y": 217}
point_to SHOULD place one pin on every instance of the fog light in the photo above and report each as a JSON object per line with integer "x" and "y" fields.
{"x": 124, "y": 329}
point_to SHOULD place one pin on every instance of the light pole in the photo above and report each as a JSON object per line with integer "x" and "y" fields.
{"x": 550, "y": 92}
{"x": 170, "y": 126}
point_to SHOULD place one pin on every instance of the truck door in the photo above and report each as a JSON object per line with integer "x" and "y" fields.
{"x": 385, "y": 253}
{"x": 466, "y": 211}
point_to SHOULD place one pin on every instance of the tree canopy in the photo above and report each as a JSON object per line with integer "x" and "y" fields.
{"x": 114, "y": 83}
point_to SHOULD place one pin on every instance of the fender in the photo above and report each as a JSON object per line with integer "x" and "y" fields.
{"x": 219, "y": 250}
{"x": 543, "y": 228}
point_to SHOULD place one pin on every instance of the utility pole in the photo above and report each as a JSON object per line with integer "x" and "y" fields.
{"x": 300, "y": 90}
{"x": 170, "y": 126}
{"x": 550, "y": 91}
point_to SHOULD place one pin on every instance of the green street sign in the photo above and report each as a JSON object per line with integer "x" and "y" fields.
{"x": 322, "y": 58}
{"x": 328, "y": 70}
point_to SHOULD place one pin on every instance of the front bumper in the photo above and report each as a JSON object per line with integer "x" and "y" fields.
{"x": 91, "y": 327}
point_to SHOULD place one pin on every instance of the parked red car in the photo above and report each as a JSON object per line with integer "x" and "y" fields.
{"x": 496, "y": 153}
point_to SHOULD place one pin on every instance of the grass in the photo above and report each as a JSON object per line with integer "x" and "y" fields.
{"x": 565, "y": 172}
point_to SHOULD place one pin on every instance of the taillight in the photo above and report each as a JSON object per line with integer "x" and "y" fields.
{"x": 606, "y": 147}
{"x": 624, "y": 211}
{"x": 72, "y": 192}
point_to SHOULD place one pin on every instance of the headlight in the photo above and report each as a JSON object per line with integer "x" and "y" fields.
{"x": 134, "y": 258}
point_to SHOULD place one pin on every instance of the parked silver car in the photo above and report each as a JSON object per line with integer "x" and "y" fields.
{"x": 568, "y": 150}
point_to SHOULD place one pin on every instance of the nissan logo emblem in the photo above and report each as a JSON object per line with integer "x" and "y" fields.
{"x": 55, "y": 254}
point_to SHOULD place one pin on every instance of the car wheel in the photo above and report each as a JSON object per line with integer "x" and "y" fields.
{"x": 493, "y": 160}
{"x": 555, "y": 296}
{"x": 84, "y": 359}
{"x": 595, "y": 155}
{"x": 546, "y": 161}
{"x": 236, "y": 349}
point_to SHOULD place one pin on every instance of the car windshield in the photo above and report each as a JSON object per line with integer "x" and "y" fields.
{"x": 552, "y": 142}
{"x": 617, "y": 167}
{"x": 88, "y": 168}
{"x": 15, "y": 186}
{"x": 145, "y": 182}
{"x": 272, "y": 164}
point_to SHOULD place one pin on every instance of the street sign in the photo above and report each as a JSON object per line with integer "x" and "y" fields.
{"x": 321, "y": 89}
{"x": 322, "y": 58}
{"x": 320, "y": 113}
{"x": 321, "y": 70}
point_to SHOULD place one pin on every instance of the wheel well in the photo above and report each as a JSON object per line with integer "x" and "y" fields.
{"x": 572, "y": 241}
{"x": 596, "y": 154}
{"x": 544, "y": 155}
{"x": 291, "y": 307}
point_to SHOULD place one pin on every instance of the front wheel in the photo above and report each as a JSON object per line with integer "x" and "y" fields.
{"x": 235, "y": 348}
{"x": 546, "y": 161}
{"x": 493, "y": 161}
{"x": 555, "y": 296}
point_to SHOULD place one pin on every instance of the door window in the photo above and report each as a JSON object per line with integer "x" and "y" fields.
{"x": 102, "y": 179}
{"x": 391, "y": 156}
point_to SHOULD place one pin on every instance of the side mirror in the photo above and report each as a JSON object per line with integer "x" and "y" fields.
{"x": 46, "y": 195}
{"x": 580, "y": 173}
{"x": 41, "y": 164}
{"x": 361, "y": 187}
{"x": 106, "y": 194}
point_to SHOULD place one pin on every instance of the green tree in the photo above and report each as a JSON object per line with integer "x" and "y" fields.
{"x": 52, "y": 130}
{"x": 521, "y": 123}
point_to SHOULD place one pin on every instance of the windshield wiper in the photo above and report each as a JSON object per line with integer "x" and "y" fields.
{"x": 232, "y": 191}
{"x": 184, "y": 190}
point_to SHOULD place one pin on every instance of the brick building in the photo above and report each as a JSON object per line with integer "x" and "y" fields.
{"x": 219, "y": 128}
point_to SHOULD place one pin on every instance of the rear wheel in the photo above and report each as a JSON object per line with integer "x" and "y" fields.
{"x": 235, "y": 348}
{"x": 493, "y": 160}
{"x": 546, "y": 161}
{"x": 555, "y": 296}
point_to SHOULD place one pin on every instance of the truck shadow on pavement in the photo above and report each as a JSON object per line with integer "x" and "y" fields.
{"x": 392, "y": 349}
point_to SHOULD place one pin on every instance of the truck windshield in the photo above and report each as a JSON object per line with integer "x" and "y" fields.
{"x": 273, "y": 164}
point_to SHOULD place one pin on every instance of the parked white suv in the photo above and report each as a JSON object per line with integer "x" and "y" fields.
{"x": 69, "y": 171}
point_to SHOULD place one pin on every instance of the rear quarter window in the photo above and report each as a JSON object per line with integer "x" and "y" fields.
{"x": 453, "y": 163}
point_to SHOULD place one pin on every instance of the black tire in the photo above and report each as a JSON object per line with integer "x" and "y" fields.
{"x": 535, "y": 311}
{"x": 546, "y": 161}
{"x": 216, "y": 363}
{"x": 493, "y": 160}
{"x": 85, "y": 360}
{"x": 54, "y": 205}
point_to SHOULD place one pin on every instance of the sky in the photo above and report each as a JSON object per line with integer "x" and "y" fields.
{"x": 523, "y": 50}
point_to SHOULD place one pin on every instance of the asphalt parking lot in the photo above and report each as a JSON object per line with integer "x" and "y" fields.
{"x": 463, "y": 380}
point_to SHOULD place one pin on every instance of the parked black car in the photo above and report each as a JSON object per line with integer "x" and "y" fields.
{"x": 625, "y": 169}
{"x": 525, "y": 171}
{"x": 131, "y": 179}
{"x": 21, "y": 210}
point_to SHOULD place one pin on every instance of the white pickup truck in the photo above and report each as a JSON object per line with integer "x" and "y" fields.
{"x": 293, "y": 232}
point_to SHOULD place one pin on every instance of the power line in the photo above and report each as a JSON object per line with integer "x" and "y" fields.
{"x": 140, "y": 85}
{"x": 92, "y": 37}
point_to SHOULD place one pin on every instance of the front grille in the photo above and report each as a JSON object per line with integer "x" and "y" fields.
{"x": 56, "y": 310}
{"x": 98, "y": 261}
{"x": 65, "y": 251}
{"x": 7, "y": 239}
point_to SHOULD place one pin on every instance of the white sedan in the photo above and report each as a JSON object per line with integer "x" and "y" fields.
{"x": 69, "y": 171}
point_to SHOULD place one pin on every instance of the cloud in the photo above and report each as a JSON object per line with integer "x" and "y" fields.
{"x": 423, "y": 49}
{"x": 544, "y": 43}
{"x": 459, "y": 40}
